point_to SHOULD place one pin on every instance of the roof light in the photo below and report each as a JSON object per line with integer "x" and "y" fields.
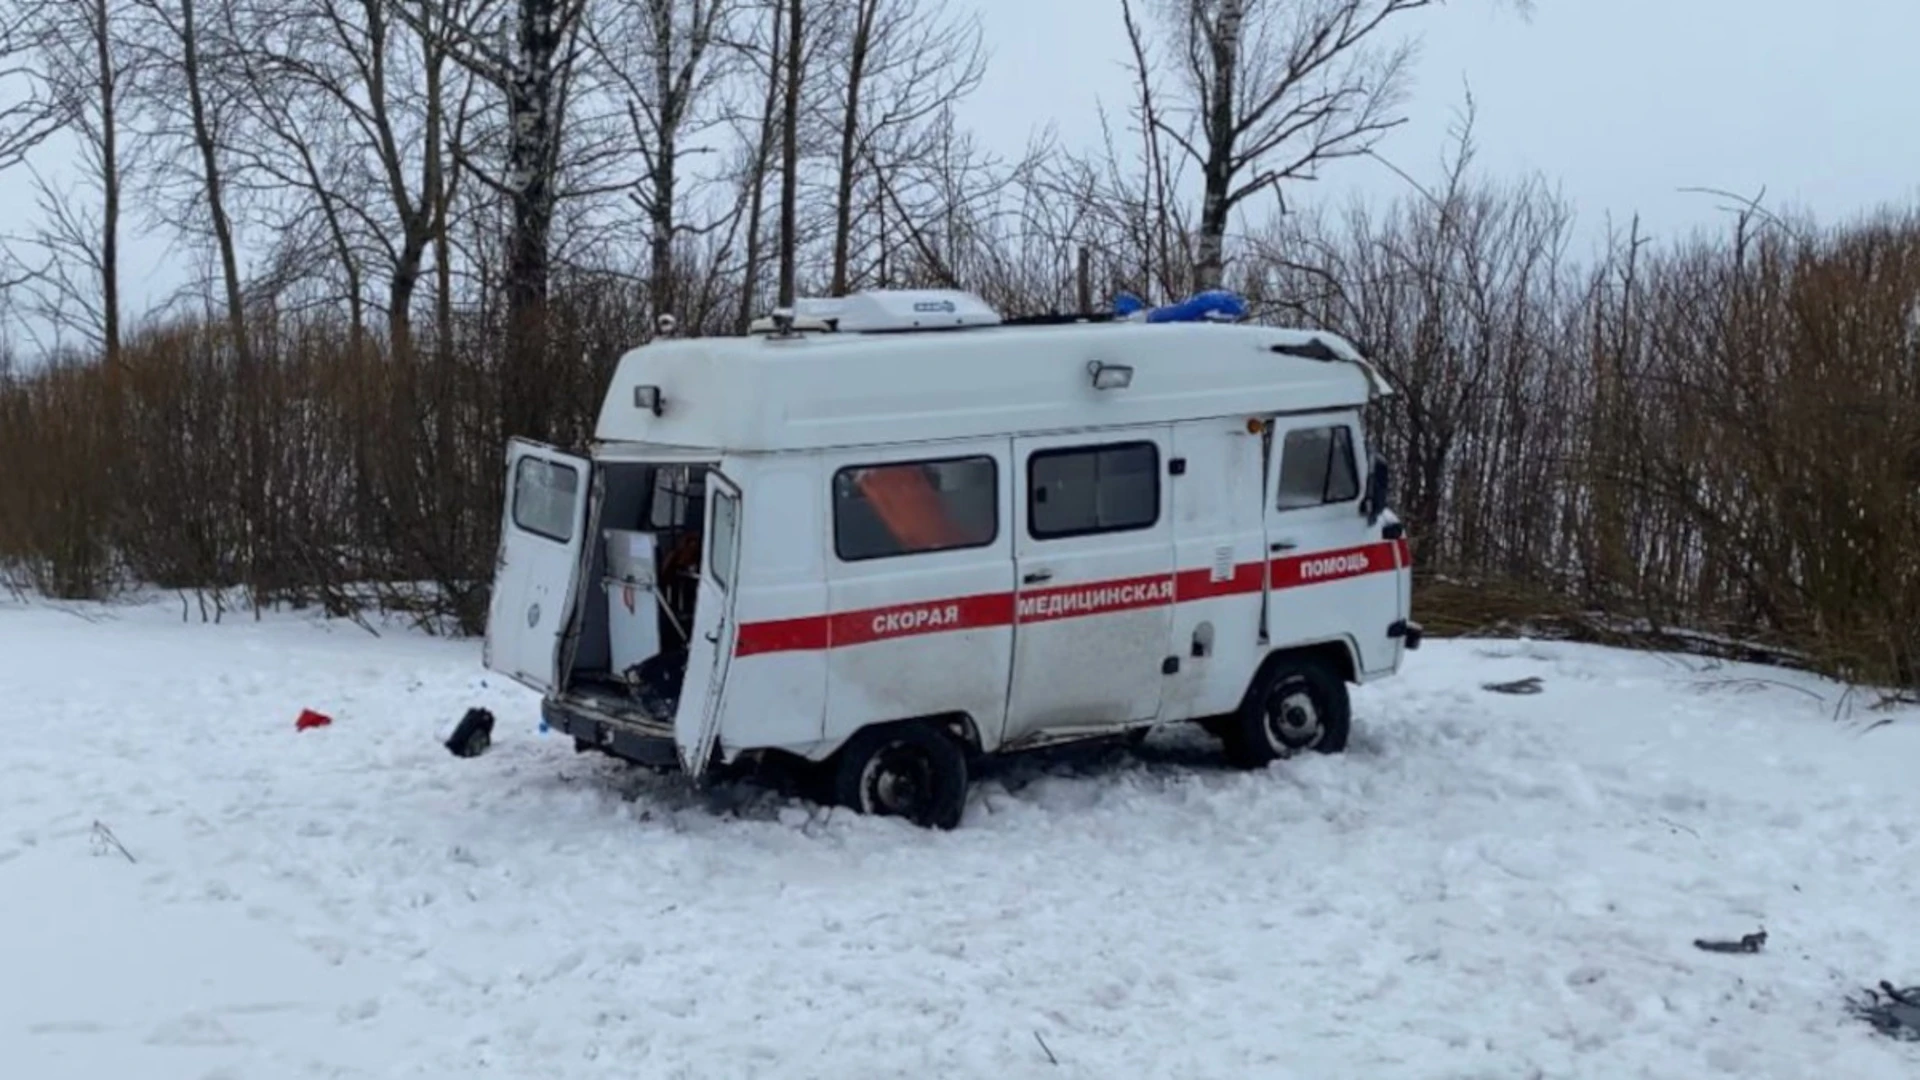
{"x": 1110, "y": 376}
{"x": 648, "y": 398}
{"x": 1210, "y": 305}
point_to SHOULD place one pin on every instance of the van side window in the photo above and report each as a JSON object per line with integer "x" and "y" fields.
{"x": 545, "y": 494}
{"x": 1093, "y": 489}
{"x": 915, "y": 507}
{"x": 1317, "y": 467}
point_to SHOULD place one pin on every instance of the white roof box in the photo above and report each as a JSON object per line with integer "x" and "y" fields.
{"x": 882, "y": 310}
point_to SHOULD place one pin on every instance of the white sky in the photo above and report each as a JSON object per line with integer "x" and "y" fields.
{"x": 1618, "y": 103}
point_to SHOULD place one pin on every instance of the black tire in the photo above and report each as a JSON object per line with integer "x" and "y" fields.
{"x": 1299, "y": 704}
{"x": 912, "y": 770}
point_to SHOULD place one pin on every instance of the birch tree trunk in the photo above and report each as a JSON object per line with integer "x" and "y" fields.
{"x": 790, "y": 155}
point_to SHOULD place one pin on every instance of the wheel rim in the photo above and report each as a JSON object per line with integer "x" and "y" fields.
{"x": 1294, "y": 720}
{"x": 897, "y": 781}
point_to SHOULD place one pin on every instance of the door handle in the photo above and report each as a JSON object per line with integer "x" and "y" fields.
{"x": 1284, "y": 545}
{"x": 1035, "y": 577}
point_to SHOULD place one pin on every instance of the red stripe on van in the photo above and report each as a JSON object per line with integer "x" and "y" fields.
{"x": 923, "y": 617}
{"x": 1095, "y": 598}
{"x": 806, "y": 634}
{"x": 1324, "y": 566}
{"x": 1191, "y": 585}
{"x": 817, "y": 632}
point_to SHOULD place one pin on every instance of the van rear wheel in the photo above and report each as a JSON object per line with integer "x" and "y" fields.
{"x": 912, "y": 770}
{"x": 1300, "y": 704}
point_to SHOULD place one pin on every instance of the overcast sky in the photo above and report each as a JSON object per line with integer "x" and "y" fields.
{"x": 1620, "y": 103}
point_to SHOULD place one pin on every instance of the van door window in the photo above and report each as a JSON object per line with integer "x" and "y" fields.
{"x": 1082, "y": 491}
{"x": 915, "y": 507}
{"x": 1317, "y": 468}
{"x": 544, "y": 498}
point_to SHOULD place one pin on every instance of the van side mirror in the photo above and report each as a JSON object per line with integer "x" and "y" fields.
{"x": 1379, "y": 483}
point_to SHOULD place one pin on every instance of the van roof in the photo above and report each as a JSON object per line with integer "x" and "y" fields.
{"x": 813, "y": 390}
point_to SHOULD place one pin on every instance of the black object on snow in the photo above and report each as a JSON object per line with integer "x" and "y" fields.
{"x": 1750, "y": 943}
{"x": 1528, "y": 685}
{"x": 472, "y": 735}
{"x": 1893, "y": 1013}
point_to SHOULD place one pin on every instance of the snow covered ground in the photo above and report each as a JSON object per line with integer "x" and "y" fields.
{"x": 1486, "y": 886}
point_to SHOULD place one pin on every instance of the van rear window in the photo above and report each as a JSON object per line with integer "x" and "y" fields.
{"x": 1093, "y": 489}
{"x": 545, "y": 496}
{"x": 915, "y": 507}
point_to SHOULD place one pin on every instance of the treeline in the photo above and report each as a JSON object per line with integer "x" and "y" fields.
{"x": 1701, "y": 443}
{"x": 1718, "y": 435}
{"x": 425, "y": 226}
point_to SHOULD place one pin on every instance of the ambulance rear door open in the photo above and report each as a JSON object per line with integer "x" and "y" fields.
{"x": 536, "y": 577}
{"x": 696, "y": 722}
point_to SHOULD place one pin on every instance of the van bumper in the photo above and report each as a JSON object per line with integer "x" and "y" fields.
{"x": 635, "y": 741}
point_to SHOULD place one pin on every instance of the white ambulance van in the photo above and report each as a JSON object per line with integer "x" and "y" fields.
{"x": 885, "y": 535}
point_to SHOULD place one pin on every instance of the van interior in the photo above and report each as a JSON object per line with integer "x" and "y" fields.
{"x": 642, "y": 579}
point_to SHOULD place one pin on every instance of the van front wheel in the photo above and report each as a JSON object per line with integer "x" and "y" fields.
{"x": 912, "y": 770}
{"x": 1300, "y": 704}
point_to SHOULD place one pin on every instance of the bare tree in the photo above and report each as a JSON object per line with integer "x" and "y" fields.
{"x": 787, "y": 129}
{"x": 1268, "y": 92}
{"x": 388, "y": 85}
{"x": 307, "y": 190}
{"x": 791, "y": 80}
{"x": 188, "y": 92}
{"x": 666, "y": 56}
{"x": 77, "y": 53}
{"x": 32, "y": 110}
{"x": 860, "y": 47}
{"x": 534, "y": 77}
{"x": 901, "y": 67}
{"x": 294, "y": 162}
{"x": 767, "y": 57}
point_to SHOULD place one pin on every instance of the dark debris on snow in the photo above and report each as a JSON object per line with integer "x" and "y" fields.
{"x": 1893, "y": 1013}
